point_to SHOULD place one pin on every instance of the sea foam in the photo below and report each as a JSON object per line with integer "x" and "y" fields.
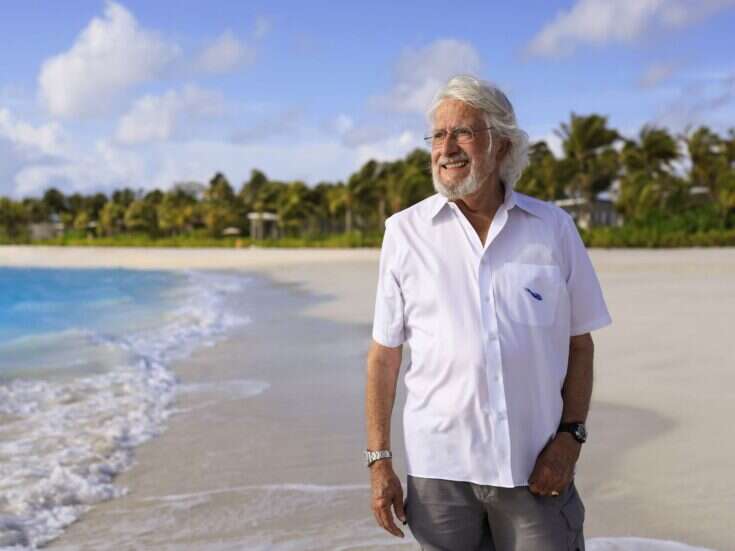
{"x": 62, "y": 441}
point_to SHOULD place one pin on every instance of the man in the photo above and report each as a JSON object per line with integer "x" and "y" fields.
{"x": 496, "y": 296}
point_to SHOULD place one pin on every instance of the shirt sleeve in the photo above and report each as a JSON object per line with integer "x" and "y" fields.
{"x": 388, "y": 327}
{"x": 587, "y": 305}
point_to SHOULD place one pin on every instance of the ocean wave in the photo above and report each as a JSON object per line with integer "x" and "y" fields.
{"x": 63, "y": 441}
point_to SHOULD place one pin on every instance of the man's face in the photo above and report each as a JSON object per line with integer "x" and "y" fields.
{"x": 460, "y": 168}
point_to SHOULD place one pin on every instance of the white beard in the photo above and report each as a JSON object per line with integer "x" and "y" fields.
{"x": 466, "y": 187}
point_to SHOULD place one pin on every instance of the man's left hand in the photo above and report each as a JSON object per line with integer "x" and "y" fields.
{"x": 554, "y": 467}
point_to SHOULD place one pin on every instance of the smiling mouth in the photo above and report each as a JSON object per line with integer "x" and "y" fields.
{"x": 455, "y": 164}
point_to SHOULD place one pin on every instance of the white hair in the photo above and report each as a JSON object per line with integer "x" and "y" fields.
{"x": 499, "y": 115}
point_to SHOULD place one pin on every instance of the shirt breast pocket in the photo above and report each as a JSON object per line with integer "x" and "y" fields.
{"x": 529, "y": 293}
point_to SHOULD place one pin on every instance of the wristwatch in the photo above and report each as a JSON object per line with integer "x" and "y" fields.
{"x": 373, "y": 456}
{"x": 578, "y": 430}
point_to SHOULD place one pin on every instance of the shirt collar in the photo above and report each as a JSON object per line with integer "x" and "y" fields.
{"x": 512, "y": 198}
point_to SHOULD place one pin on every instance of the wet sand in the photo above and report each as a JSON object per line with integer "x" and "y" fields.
{"x": 263, "y": 450}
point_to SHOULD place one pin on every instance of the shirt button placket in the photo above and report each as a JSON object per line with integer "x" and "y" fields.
{"x": 496, "y": 389}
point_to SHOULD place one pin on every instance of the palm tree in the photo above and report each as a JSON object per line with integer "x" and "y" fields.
{"x": 727, "y": 177}
{"x": 653, "y": 154}
{"x": 366, "y": 196}
{"x": 112, "y": 218}
{"x": 417, "y": 184}
{"x": 176, "y": 211}
{"x": 587, "y": 142}
{"x": 55, "y": 201}
{"x": 220, "y": 208}
{"x": 649, "y": 184}
{"x": 706, "y": 152}
{"x": 250, "y": 189}
{"x": 13, "y": 218}
{"x": 319, "y": 197}
{"x": 295, "y": 208}
{"x": 141, "y": 216}
{"x": 543, "y": 176}
{"x": 341, "y": 201}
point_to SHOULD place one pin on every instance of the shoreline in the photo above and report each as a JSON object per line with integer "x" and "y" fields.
{"x": 650, "y": 469}
{"x": 276, "y": 456}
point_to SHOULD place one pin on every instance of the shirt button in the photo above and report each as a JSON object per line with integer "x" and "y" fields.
{"x": 502, "y": 416}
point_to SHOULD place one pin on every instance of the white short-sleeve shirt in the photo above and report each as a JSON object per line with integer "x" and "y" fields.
{"x": 488, "y": 326}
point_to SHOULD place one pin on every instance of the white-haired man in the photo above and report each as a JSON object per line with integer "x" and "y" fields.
{"x": 496, "y": 296}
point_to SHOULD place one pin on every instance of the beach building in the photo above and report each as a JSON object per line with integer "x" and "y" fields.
{"x": 700, "y": 195}
{"x": 263, "y": 225}
{"x": 602, "y": 212}
{"x": 51, "y": 228}
{"x": 46, "y": 230}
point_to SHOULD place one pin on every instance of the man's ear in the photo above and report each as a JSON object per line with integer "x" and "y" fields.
{"x": 503, "y": 149}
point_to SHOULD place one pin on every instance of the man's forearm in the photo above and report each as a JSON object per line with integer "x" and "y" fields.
{"x": 577, "y": 390}
{"x": 383, "y": 366}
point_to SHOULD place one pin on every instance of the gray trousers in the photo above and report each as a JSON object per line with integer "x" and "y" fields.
{"x": 446, "y": 515}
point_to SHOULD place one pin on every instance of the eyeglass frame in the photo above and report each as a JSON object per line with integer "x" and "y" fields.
{"x": 430, "y": 139}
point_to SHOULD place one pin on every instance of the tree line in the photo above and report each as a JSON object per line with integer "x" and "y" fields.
{"x": 682, "y": 181}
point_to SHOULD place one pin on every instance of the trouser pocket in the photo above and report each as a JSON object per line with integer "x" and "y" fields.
{"x": 573, "y": 513}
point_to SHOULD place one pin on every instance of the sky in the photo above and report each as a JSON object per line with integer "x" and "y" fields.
{"x": 98, "y": 95}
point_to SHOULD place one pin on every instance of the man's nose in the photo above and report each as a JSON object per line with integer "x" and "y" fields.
{"x": 449, "y": 146}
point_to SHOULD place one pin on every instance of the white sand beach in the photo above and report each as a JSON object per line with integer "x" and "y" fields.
{"x": 263, "y": 450}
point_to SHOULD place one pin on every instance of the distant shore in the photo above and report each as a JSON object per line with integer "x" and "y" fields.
{"x": 285, "y": 462}
{"x": 607, "y": 237}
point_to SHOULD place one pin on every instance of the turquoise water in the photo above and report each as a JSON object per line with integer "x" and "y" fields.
{"x": 36, "y": 301}
{"x": 58, "y": 323}
{"x": 85, "y": 378}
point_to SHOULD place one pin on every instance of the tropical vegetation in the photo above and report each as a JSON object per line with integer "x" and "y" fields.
{"x": 670, "y": 190}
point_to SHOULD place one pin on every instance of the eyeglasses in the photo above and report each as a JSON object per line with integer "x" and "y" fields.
{"x": 461, "y": 134}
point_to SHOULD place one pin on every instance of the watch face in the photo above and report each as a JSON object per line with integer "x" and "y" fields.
{"x": 580, "y": 433}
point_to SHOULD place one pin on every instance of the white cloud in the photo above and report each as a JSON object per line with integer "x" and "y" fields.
{"x": 421, "y": 72}
{"x": 310, "y": 161}
{"x": 112, "y": 54}
{"x": 602, "y": 21}
{"x": 23, "y": 144}
{"x": 157, "y": 118}
{"x": 44, "y": 139}
{"x": 318, "y": 158}
{"x": 224, "y": 54}
{"x": 387, "y": 149}
{"x": 102, "y": 167}
{"x": 656, "y": 74}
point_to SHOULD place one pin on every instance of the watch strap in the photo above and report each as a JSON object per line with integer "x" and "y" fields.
{"x": 373, "y": 456}
{"x": 576, "y": 429}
